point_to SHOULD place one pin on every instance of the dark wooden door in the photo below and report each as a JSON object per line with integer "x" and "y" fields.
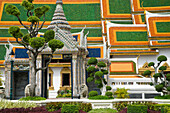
{"x": 20, "y": 82}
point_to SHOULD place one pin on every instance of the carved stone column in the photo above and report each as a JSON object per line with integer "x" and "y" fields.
{"x": 84, "y": 70}
{"x": 74, "y": 69}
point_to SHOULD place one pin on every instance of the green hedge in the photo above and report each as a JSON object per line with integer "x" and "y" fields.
{"x": 100, "y": 97}
{"x": 137, "y": 109}
{"x": 162, "y": 97}
{"x": 102, "y": 110}
{"x": 93, "y": 93}
{"x": 67, "y": 108}
{"x": 54, "y": 106}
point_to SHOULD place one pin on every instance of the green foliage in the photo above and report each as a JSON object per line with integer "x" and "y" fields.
{"x": 168, "y": 77}
{"x": 157, "y": 75}
{"x": 12, "y": 10}
{"x": 109, "y": 94}
{"x": 100, "y": 97}
{"x": 7, "y": 104}
{"x": 28, "y": 5}
{"x": 101, "y": 64}
{"x": 165, "y": 109}
{"x": 37, "y": 42}
{"x": 137, "y": 109}
{"x": 147, "y": 72}
{"x": 162, "y": 68}
{"x": 162, "y": 58}
{"x": 91, "y": 69}
{"x": 162, "y": 97}
{"x": 49, "y": 35}
{"x": 26, "y": 38}
{"x": 54, "y": 106}
{"x": 55, "y": 44}
{"x": 103, "y": 110}
{"x": 92, "y": 61}
{"x": 98, "y": 81}
{"x": 32, "y": 98}
{"x": 90, "y": 79}
{"x": 151, "y": 64}
{"x": 98, "y": 74}
{"x": 104, "y": 71}
{"x": 0, "y": 82}
{"x": 108, "y": 88}
{"x": 151, "y": 84}
{"x": 120, "y": 106}
{"x": 93, "y": 93}
{"x": 67, "y": 108}
{"x": 121, "y": 93}
{"x": 168, "y": 88}
{"x": 14, "y": 29}
{"x": 33, "y": 19}
{"x": 39, "y": 11}
{"x": 159, "y": 107}
{"x": 159, "y": 87}
{"x": 30, "y": 1}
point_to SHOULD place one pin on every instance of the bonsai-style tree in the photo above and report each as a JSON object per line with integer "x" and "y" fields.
{"x": 96, "y": 71}
{"x": 30, "y": 41}
{"x": 161, "y": 82}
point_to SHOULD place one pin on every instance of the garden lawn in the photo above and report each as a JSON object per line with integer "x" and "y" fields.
{"x": 108, "y": 110}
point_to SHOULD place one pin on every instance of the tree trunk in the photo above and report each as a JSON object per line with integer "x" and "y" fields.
{"x": 33, "y": 75}
{"x": 103, "y": 89}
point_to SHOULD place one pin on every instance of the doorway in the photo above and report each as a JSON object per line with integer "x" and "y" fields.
{"x": 21, "y": 79}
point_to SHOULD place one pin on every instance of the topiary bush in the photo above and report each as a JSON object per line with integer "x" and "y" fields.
{"x": 137, "y": 109}
{"x": 67, "y": 108}
{"x": 93, "y": 93}
{"x": 108, "y": 88}
{"x": 159, "y": 87}
{"x": 109, "y": 94}
{"x": 92, "y": 61}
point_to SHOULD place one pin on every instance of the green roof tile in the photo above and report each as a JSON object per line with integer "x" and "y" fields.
{"x": 163, "y": 27}
{"x": 73, "y": 12}
{"x": 120, "y": 6}
{"x": 155, "y": 3}
{"x": 131, "y": 36}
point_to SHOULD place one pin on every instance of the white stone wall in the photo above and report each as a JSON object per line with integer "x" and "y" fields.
{"x": 2, "y": 73}
{"x": 56, "y": 81}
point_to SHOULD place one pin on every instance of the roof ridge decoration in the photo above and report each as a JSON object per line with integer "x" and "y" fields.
{"x": 61, "y": 27}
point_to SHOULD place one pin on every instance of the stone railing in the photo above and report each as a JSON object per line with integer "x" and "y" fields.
{"x": 101, "y": 103}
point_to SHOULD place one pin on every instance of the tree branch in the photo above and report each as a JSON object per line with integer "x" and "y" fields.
{"x": 24, "y": 45}
{"x": 46, "y": 66}
{"x": 41, "y": 24}
{"x": 22, "y": 23}
{"x": 43, "y": 47}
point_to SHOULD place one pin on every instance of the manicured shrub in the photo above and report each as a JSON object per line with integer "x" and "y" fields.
{"x": 108, "y": 88}
{"x": 102, "y": 110}
{"x": 92, "y": 61}
{"x": 100, "y": 97}
{"x": 67, "y": 108}
{"x": 159, "y": 107}
{"x": 55, "y": 106}
{"x": 159, "y": 88}
{"x": 168, "y": 77}
{"x": 32, "y": 98}
{"x": 93, "y": 93}
{"x": 165, "y": 109}
{"x": 137, "y": 109}
{"x": 101, "y": 64}
{"x": 109, "y": 94}
{"x": 162, "y": 58}
{"x": 91, "y": 69}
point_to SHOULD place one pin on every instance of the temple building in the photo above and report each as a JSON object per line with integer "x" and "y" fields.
{"x": 125, "y": 34}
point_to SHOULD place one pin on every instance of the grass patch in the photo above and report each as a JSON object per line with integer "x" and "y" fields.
{"x": 108, "y": 110}
{"x": 32, "y": 98}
